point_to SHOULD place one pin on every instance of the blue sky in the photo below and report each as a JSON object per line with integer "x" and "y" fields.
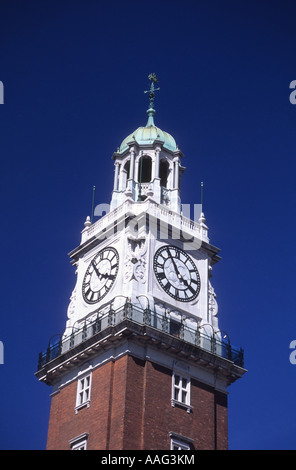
{"x": 74, "y": 75}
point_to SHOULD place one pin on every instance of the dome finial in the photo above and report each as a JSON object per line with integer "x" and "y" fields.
{"x": 151, "y": 111}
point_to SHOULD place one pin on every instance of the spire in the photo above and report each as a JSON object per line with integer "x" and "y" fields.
{"x": 151, "y": 111}
{"x": 202, "y": 219}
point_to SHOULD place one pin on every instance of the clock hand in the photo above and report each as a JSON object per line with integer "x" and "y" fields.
{"x": 180, "y": 277}
{"x": 96, "y": 270}
{"x": 110, "y": 276}
{"x": 185, "y": 282}
{"x": 175, "y": 266}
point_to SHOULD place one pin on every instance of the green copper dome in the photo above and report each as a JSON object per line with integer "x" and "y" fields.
{"x": 148, "y": 134}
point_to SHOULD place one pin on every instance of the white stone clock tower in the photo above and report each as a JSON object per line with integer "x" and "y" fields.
{"x": 142, "y": 340}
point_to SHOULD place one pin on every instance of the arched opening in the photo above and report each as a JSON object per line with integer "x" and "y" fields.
{"x": 127, "y": 169}
{"x": 144, "y": 171}
{"x": 163, "y": 172}
{"x": 125, "y": 175}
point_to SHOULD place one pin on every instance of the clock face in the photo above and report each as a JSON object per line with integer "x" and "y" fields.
{"x": 176, "y": 273}
{"x": 100, "y": 275}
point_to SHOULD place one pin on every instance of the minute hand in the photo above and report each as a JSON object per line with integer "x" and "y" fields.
{"x": 175, "y": 266}
{"x": 96, "y": 270}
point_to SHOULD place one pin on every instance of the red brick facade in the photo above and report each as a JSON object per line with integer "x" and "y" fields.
{"x": 130, "y": 409}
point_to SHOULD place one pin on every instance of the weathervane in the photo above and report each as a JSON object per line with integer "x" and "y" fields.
{"x": 153, "y": 78}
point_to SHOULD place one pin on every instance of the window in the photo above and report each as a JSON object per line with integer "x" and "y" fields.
{"x": 179, "y": 444}
{"x": 181, "y": 391}
{"x": 180, "y": 388}
{"x": 80, "y": 446}
{"x": 79, "y": 442}
{"x": 83, "y": 392}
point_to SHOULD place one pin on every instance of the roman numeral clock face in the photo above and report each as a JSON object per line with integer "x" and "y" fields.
{"x": 100, "y": 275}
{"x": 176, "y": 273}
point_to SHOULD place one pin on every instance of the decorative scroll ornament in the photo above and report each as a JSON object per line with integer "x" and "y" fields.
{"x": 165, "y": 199}
{"x": 135, "y": 260}
{"x": 72, "y": 305}
{"x": 213, "y": 305}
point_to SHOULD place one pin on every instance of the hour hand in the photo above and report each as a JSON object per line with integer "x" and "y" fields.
{"x": 108, "y": 276}
{"x": 101, "y": 275}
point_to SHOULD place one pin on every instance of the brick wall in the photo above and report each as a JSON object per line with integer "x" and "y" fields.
{"x": 131, "y": 409}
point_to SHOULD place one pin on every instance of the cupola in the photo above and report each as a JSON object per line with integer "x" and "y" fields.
{"x": 147, "y": 163}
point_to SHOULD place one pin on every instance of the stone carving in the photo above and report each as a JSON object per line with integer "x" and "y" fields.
{"x": 72, "y": 304}
{"x": 213, "y": 305}
{"x": 165, "y": 199}
{"x": 135, "y": 259}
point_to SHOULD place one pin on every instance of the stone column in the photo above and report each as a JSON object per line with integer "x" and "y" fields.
{"x": 157, "y": 151}
{"x": 176, "y": 174}
{"x": 116, "y": 176}
{"x": 132, "y": 165}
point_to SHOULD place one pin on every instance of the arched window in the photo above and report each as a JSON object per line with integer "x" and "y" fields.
{"x": 163, "y": 172}
{"x": 144, "y": 171}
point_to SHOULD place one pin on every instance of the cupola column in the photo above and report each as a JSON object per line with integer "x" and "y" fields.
{"x": 132, "y": 164}
{"x": 176, "y": 174}
{"x": 116, "y": 176}
{"x": 157, "y": 151}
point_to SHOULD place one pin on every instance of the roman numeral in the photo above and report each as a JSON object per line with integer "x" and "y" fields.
{"x": 167, "y": 285}
{"x": 89, "y": 294}
{"x": 159, "y": 265}
{"x": 173, "y": 290}
{"x": 161, "y": 276}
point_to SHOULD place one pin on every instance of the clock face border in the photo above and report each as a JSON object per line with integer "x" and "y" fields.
{"x": 180, "y": 258}
{"x": 111, "y": 277}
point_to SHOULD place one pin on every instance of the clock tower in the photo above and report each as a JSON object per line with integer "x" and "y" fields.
{"x": 142, "y": 363}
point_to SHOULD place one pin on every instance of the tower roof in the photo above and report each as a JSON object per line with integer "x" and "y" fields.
{"x": 147, "y": 135}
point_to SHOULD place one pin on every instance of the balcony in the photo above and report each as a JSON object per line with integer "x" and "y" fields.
{"x": 160, "y": 328}
{"x": 153, "y": 211}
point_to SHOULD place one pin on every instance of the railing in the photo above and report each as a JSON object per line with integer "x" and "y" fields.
{"x": 153, "y": 209}
{"x": 214, "y": 343}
